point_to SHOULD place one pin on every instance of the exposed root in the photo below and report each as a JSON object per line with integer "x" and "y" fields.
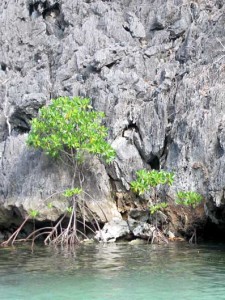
{"x": 11, "y": 240}
{"x": 193, "y": 237}
{"x": 59, "y": 234}
{"x": 159, "y": 237}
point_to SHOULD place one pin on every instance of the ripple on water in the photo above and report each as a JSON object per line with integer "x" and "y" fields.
{"x": 115, "y": 271}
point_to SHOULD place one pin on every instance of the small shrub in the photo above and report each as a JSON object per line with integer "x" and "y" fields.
{"x": 70, "y": 126}
{"x": 69, "y": 210}
{"x": 33, "y": 213}
{"x": 50, "y": 205}
{"x": 150, "y": 179}
{"x": 72, "y": 192}
{"x": 189, "y": 198}
{"x": 160, "y": 206}
{"x": 147, "y": 180}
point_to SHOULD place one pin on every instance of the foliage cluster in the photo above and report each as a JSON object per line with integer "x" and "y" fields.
{"x": 188, "y": 198}
{"x": 151, "y": 179}
{"x": 72, "y": 192}
{"x": 154, "y": 208}
{"x": 68, "y": 125}
{"x": 147, "y": 179}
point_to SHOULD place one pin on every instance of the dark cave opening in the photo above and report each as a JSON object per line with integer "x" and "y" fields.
{"x": 214, "y": 228}
{"x": 20, "y": 122}
{"x": 154, "y": 163}
{"x": 213, "y": 232}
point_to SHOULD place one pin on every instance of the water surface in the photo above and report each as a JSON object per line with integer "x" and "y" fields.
{"x": 115, "y": 272}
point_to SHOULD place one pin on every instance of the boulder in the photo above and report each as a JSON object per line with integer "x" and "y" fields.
{"x": 113, "y": 230}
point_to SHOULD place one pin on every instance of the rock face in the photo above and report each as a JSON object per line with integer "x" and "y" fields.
{"x": 156, "y": 68}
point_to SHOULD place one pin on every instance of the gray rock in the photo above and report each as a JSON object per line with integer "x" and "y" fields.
{"x": 141, "y": 229}
{"x": 170, "y": 234}
{"x": 135, "y": 26}
{"x": 116, "y": 228}
{"x": 137, "y": 242}
{"x": 157, "y": 71}
{"x": 139, "y": 214}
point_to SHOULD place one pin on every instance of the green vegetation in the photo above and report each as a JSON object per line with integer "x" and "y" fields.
{"x": 150, "y": 179}
{"x": 70, "y": 126}
{"x": 50, "y": 205}
{"x": 72, "y": 192}
{"x": 33, "y": 213}
{"x": 68, "y": 129}
{"x": 154, "y": 208}
{"x": 147, "y": 180}
{"x": 188, "y": 198}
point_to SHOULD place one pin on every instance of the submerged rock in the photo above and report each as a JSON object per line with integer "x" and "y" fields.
{"x": 170, "y": 234}
{"x": 137, "y": 242}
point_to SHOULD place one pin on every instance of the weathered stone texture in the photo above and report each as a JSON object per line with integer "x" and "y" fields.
{"x": 156, "y": 68}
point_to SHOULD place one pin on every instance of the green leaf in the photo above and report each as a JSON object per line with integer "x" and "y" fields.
{"x": 160, "y": 206}
{"x": 50, "y": 205}
{"x": 69, "y": 209}
{"x": 72, "y": 192}
{"x": 33, "y": 213}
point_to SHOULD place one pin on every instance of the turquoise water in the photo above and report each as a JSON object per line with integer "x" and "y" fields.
{"x": 108, "y": 272}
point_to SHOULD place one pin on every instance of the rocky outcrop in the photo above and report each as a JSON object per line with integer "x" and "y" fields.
{"x": 156, "y": 70}
{"x": 118, "y": 229}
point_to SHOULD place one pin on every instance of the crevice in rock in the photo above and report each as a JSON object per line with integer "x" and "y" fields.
{"x": 154, "y": 162}
{"x": 174, "y": 36}
{"x": 157, "y": 27}
{"x": 219, "y": 149}
{"x": 219, "y": 4}
{"x": 43, "y": 8}
{"x": 3, "y": 66}
{"x": 53, "y": 11}
{"x": 20, "y": 122}
{"x": 36, "y": 8}
{"x": 52, "y": 14}
{"x": 37, "y": 57}
{"x": 164, "y": 154}
{"x": 87, "y": 71}
{"x": 132, "y": 127}
{"x": 127, "y": 29}
{"x": 109, "y": 66}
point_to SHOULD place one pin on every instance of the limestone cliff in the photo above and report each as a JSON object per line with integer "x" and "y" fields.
{"x": 156, "y": 68}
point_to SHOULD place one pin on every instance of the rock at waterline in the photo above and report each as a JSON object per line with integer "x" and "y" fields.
{"x": 118, "y": 228}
